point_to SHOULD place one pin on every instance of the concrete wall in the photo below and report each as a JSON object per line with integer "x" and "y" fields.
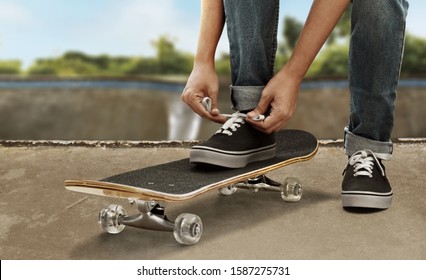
{"x": 325, "y": 112}
{"x": 145, "y": 114}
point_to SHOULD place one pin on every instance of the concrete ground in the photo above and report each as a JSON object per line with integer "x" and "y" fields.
{"x": 41, "y": 220}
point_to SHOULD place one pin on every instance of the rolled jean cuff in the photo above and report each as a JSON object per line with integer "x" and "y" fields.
{"x": 354, "y": 143}
{"x": 245, "y": 98}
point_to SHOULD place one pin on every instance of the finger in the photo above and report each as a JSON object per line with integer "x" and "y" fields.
{"x": 199, "y": 107}
{"x": 210, "y": 106}
{"x": 270, "y": 124}
{"x": 202, "y": 106}
{"x": 261, "y": 107}
{"x": 213, "y": 102}
{"x": 207, "y": 103}
{"x": 218, "y": 119}
{"x": 195, "y": 101}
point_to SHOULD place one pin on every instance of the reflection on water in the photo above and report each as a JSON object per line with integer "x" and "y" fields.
{"x": 183, "y": 123}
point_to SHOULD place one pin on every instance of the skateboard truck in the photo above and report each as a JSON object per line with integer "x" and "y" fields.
{"x": 291, "y": 190}
{"x": 187, "y": 228}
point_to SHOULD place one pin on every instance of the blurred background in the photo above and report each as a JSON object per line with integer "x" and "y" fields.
{"x": 114, "y": 70}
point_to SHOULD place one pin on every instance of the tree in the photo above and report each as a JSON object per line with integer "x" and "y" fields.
{"x": 43, "y": 67}
{"x": 223, "y": 64}
{"x": 332, "y": 62}
{"x": 10, "y": 67}
{"x": 291, "y": 32}
{"x": 414, "y": 62}
{"x": 170, "y": 60}
{"x": 342, "y": 30}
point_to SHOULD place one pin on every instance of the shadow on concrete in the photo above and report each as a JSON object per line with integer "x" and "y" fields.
{"x": 221, "y": 215}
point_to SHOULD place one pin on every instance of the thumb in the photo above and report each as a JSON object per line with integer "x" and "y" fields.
{"x": 210, "y": 105}
{"x": 214, "y": 110}
{"x": 261, "y": 107}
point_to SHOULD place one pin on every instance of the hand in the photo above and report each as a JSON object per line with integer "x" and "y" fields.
{"x": 203, "y": 82}
{"x": 280, "y": 95}
{"x": 282, "y": 90}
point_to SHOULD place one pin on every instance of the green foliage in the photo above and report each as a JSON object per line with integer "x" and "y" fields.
{"x": 138, "y": 66}
{"x": 414, "y": 62}
{"x": 223, "y": 65}
{"x": 332, "y": 62}
{"x": 291, "y": 32}
{"x": 10, "y": 67}
{"x": 168, "y": 60}
{"x": 67, "y": 65}
{"x": 280, "y": 61}
{"x": 43, "y": 67}
{"x": 342, "y": 29}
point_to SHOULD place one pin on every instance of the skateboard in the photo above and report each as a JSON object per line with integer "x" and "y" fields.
{"x": 152, "y": 187}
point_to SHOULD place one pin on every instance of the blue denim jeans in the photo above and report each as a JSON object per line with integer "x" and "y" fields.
{"x": 252, "y": 32}
{"x": 376, "y": 47}
{"x": 375, "y": 56}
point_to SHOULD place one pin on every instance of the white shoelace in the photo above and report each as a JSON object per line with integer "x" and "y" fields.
{"x": 235, "y": 120}
{"x": 231, "y": 125}
{"x": 363, "y": 163}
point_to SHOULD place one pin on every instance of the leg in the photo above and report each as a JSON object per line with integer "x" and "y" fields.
{"x": 252, "y": 37}
{"x": 377, "y": 41}
{"x": 252, "y": 32}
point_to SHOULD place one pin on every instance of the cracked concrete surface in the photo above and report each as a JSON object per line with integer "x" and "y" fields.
{"x": 41, "y": 220}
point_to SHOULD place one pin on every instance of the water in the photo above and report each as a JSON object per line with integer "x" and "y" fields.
{"x": 345, "y": 84}
{"x": 169, "y": 87}
{"x": 95, "y": 84}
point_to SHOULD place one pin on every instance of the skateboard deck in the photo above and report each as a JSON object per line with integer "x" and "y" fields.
{"x": 180, "y": 180}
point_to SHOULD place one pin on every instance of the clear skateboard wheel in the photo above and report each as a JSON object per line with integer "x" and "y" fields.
{"x": 229, "y": 190}
{"x": 110, "y": 218}
{"x": 188, "y": 229}
{"x": 291, "y": 190}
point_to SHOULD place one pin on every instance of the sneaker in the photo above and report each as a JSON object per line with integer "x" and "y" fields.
{"x": 365, "y": 183}
{"x": 235, "y": 145}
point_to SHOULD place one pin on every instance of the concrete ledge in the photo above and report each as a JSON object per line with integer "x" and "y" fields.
{"x": 151, "y": 144}
{"x": 95, "y": 143}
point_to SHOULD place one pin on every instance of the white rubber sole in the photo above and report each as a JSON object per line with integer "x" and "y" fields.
{"x": 228, "y": 159}
{"x": 367, "y": 200}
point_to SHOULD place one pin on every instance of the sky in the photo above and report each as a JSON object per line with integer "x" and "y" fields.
{"x": 31, "y": 29}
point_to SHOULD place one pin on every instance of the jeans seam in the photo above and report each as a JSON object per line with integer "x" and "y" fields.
{"x": 229, "y": 32}
{"x": 274, "y": 39}
{"x": 401, "y": 55}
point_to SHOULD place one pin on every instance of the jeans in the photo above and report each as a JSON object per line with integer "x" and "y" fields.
{"x": 252, "y": 32}
{"x": 375, "y": 56}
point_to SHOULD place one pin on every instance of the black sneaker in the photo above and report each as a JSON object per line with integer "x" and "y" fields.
{"x": 365, "y": 183}
{"x": 235, "y": 145}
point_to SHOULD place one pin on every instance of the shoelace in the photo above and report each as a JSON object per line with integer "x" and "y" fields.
{"x": 363, "y": 163}
{"x": 235, "y": 120}
{"x": 231, "y": 125}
